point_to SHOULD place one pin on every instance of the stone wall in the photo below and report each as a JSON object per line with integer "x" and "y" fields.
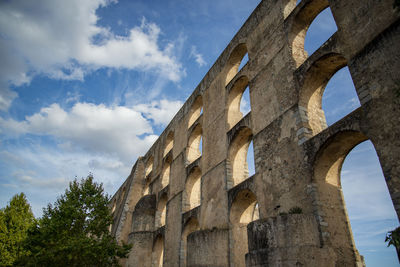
{"x": 184, "y": 207}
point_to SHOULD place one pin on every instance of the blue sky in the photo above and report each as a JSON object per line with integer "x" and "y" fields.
{"x": 87, "y": 86}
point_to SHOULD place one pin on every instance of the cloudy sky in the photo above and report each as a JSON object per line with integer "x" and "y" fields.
{"x": 87, "y": 86}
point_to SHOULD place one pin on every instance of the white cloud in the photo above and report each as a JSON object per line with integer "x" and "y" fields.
{"x": 197, "y": 56}
{"x": 97, "y": 129}
{"x": 61, "y": 39}
{"x": 161, "y": 112}
{"x": 88, "y": 138}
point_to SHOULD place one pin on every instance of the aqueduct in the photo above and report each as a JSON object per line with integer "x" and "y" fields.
{"x": 185, "y": 206}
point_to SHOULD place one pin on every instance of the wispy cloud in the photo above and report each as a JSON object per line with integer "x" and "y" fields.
{"x": 197, "y": 56}
{"x": 99, "y": 129}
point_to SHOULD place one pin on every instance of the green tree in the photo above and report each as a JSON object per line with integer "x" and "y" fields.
{"x": 15, "y": 220}
{"x": 75, "y": 231}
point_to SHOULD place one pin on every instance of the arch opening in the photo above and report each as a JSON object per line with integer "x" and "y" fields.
{"x": 191, "y": 226}
{"x": 339, "y": 89}
{"x": 250, "y": 159}
{"x": 195, "y": 111}
{"x": 114, "y": 206}
{"x": 157, "y": 254}
{"x": 244, "y": 61}
{"x": 300, "y": 26}
{"x": 245, "y": 106}
{"x": 238, "y": 101}
{"x": 333, "y": 216}
{"x": 165, "y": 174}
{"x": 370, "y": 208}
{"x": 149, "y": 166}
{"x": 169, "y": 143}
{"x": 161, "y": 211}
{"x": 315, "y": 81}
{"x": 143, "y": 215}
{"x": 192, "y": 194}
{"x": 320, "y": 30}
{"x": 244, "y": 210}
{"x": 234, "y": 61}
{"x": 237, "y": 158}
{"x": 193, "y": 150}
{"x": 146, "y": 188}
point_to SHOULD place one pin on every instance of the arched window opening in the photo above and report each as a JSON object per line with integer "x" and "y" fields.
{"x": 339, "y": 97}
{"x": 158, "y": 252}
{"x": 313, "y": 88}
{"x": 243, "y": 211}
{"x": 193, "y": 150}
{"x": 161, "y": 211}
{"x": 370, "y": 208}
{"x": 320, "y": 30}
{"x": 236, "y": 101}
{"x": 192, "y": 194}
{"x": 244, "y": 61}
{"x": 250, "y": 159}
{"x": 245, "y": 107}
{"x": 332, "y": 212}
{"x": 234, "y": 61}
{"x": 196, "y": 110}
{"x": 169, "y": 143}
{"x": 301, "y": 24}
{"x": 165, "y": 174}
{"x": 149, "y": 166}
{"x": 146, "y": 189}
{"x": 191, "y": 226}
{"x": 201, "y": 146}
{"x": 238, "y": 157}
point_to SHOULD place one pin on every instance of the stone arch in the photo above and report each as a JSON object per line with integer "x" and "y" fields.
{"x": 149, "y": 166}
{"x": 114, "y": 206}
{"x": 166, "y": 171}
{"x": 288, "y": 6}
{"x": 161, "y": 211}
{"x": 192, "y": 194}
{"x": 146, "y": 186}
{"x": 157, "y": 255}
{"x": 195, "y": 110}
{"x": 312, "y": 89}
{"x": 307, "y": 12}
{"x": 235, "y": 95}
{"x": 234, "y": 61}
{"x": 169, "y": 143}
{"x": 244, "y": 210}
{"x": 238, "y": 170}
{"x": 332, "y": 214}
{"x": 144, "y": 213}
{"x": 191, "y": 226}
{"x": 122, "y": 196}
{"x": 193, "y": 149}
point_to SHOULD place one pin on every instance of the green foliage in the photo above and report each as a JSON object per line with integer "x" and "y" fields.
{"x": 295, "y": 210}
{"x": 393, "y": 238}
{"x": 75, "y": 231}
{"x": 15, "y": 220}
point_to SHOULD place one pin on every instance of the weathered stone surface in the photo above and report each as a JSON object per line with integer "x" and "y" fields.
{"x": 185, "y": 207}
